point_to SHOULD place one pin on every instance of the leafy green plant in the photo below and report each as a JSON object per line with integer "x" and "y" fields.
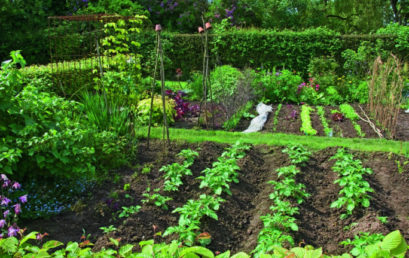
{"x": 143, "y": 108}
{"x": 383, "y": 219}
{"x": 156, "y": 198}
{"x": 175, "y": 171}
{"x": 321, "y": 113}
{"x": 298, "y": 154}
{"x": 350, "y": 113}
{"x": 190, "y": 215}
{"x": 224, "y": 80}
{"x": 355, "y": 189}
{"x": 361, "y": 241}
{"x": 108, "y": 229}
{"x": 401, "y": 166}
{"x": 275, "y": 119}
{"x": 278, "y": 225}
{"x": 306, "y": 126}
{"x": 128, "y": 211}
{"x": 243, "y": 112}
{"x": 224, "y": 171}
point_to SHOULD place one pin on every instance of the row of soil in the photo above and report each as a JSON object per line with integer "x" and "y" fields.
{"x": 239, "y": 223}
{"x": 289, "y": 122}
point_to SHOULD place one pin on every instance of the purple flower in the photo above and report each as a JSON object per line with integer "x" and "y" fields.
{"x": 16, "y": 185}
{"x": 2, "y": 223}
{"x": 6, "y": 213}
{"x": 23, "y": 198}
{"x": 17, "y": 208}
{"x": 5, "y": 201}
{"x": 4, "y": 177}
{"x": 162, "y": 4}
{"x": 6, "y": 183}
{"x": 13, "y": 231}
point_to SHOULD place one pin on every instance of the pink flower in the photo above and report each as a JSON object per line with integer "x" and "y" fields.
{"x": 2, "y": 223}
{"x": 23, "y": 198}
{"x": 13, "y": 231}
{"x": 16, "y": 185}
{"x": 4, "y": 177}
{"x": 17, "y": 208}
{"x": 158, "y": 27}
{"x": 208, "y": 25}
{"x": 5, "y": 201}
{"x": 200, "y": 29}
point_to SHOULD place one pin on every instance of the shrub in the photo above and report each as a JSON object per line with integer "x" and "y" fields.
{"x": 143, "y": 108}
{"x": 224, "y": 80}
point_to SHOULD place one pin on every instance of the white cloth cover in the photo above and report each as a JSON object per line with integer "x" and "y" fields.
{"x": 258, "y": 122}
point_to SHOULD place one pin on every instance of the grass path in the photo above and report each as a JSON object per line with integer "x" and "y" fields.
{"x": 313, "y": 142}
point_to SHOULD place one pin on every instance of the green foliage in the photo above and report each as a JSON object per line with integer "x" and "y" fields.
{"x": 108, "y": 229}
{"x": 306, "y": 126}
{"x": 106, "y": 114}
{"x": 143, "y": 108}
{"x": 349, "y": 112}
{"x": 354, "y": 189}
{"x": 46, "y": 134}
{"x": 324, "y": 70}
{"x": 278, "y": 87}
{"x": 195, "y": 86}
{"x": 393, "y": 245}
{"x": 278, "y": 225}
{"x": 243, "y": 112}
{"x": 224, "y": 80}
{"x": 321, "y": 113}
{"x": 275, "y": 120}
{"x": 128, "y": 211}
{"x": 121, "y": 7}
{"x": 361, "y": 241}
{"x": 224, "y": 170}
{"x": 175, "y": 171}
{"x": 298, "y": 154}
{"x": 190, "y": 215}
{"x": 156, "y": 198}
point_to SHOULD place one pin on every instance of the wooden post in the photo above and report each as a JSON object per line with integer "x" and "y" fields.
{"x": 153, "y": 86}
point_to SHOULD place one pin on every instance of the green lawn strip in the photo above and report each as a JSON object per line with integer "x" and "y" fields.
{"x": 313, "y": 142}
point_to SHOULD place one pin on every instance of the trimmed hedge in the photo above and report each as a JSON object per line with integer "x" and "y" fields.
{"x": 242, "y": 48}
{"x": 257, "y": 48}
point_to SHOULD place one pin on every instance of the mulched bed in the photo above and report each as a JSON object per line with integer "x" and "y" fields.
{"x": 239, "y": 223}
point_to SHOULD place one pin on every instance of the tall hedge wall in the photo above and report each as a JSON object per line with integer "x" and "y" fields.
{"x": 255, "y": 48}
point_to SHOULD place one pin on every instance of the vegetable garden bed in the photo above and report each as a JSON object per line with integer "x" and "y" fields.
{"x": 238, "y": 224}
{"x": 289, "y": 121}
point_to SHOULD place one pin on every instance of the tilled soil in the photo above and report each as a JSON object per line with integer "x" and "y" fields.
{"x": 289, "y": 121}
{"x": 239, "y": 216}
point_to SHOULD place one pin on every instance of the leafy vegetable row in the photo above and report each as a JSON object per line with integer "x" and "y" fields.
{"x": 355, "y": 189}
{"x": 223, "y": 172}
{"x": 306, "y": 126}
{"x": 393, "y": 245}
{"x": 278, "y": 224}
{"x": 349, "y": 112}
{"x": 321, "y": 113}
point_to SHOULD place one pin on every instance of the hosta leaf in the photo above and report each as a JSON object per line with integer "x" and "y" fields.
{"x": 126, "y": 250}
{"x": 224, "y": 255}
{"x": 202, "y": 251}
{"x": 394, "y": 242}
{"x": 241, "y": 255}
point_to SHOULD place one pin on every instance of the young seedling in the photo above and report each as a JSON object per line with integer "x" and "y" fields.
{"x": 156, "y": 198}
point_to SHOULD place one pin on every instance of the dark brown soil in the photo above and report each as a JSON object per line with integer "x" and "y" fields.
{"x": 239, "y": 223}
{"x": 287, "y": 123}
